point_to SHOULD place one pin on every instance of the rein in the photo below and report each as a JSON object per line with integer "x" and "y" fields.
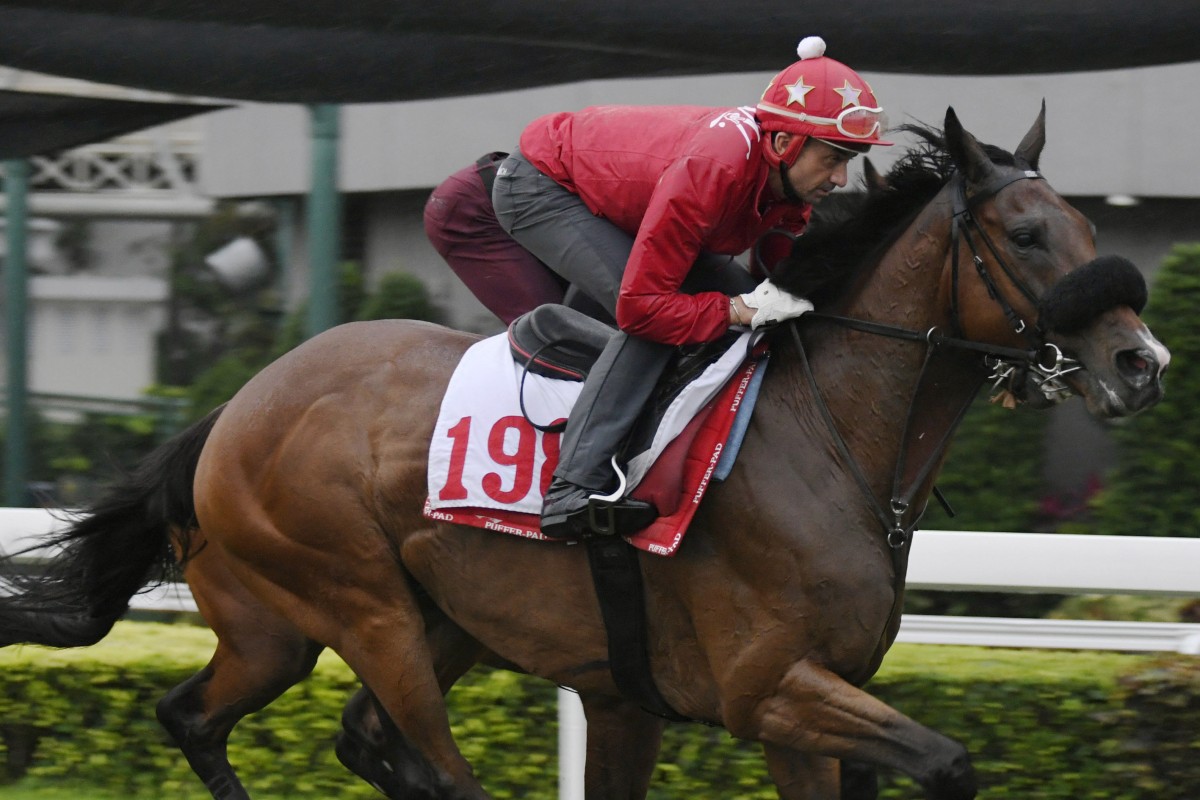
{"x": 931, "y": 337}
{"x": 896, "y": 532}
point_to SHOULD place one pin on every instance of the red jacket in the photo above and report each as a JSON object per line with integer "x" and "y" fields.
{"x": 680, "y": 180}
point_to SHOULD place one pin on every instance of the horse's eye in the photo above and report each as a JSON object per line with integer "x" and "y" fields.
{"x": 1023, "y": 239}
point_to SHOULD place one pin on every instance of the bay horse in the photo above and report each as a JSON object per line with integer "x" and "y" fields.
{"x": 296, "y": 509}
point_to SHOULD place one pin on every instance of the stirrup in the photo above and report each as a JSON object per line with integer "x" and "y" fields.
{"x": 601, "y": 510}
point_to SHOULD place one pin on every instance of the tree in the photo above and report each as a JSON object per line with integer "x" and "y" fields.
{"x": 993, "y": 477}
{"x": 205, "y": 321}
{"x": 400, "y": 296}
{"x": 1152, "y": 490}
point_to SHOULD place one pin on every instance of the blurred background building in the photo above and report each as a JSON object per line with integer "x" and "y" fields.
{"x": 108, "y": 218}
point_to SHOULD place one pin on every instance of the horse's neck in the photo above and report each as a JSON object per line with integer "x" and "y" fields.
{"x": 905, "y": 287}
{"x": 869, "y": 382}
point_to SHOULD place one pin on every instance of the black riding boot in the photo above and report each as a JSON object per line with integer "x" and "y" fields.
{"x": 616, "y": 390}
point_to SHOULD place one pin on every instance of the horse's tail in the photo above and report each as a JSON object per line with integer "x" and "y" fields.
{"x": 109, "y": 553}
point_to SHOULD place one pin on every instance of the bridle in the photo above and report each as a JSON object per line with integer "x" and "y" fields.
{"x": 1042, "y": 361}
{"x": 963, "y": 225}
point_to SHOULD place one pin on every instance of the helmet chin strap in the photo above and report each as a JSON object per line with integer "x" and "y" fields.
{"x": 789, "y": 191}
{"x": 784, "y": 162}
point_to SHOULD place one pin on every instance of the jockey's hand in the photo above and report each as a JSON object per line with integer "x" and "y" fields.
{"x": 772, "y": 305}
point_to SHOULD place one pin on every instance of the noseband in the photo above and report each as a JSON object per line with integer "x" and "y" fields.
{"x": 1103, "y": 283}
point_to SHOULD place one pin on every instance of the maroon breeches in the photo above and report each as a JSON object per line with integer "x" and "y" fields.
{"x": 462, "y": 226}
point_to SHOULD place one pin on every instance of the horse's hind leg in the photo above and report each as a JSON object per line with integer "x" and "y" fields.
{"x": 622, "y": 748}
{"x": 361, "y": 741}
{"x": 200, "y": 712}
{"x": 379, "y": 628}
{"x": 258, "y": 657}
{"x": 804, "y": 776}
{"x": 859, "y": 782}
{"x": 395, "y": 668}
{"x": 371, "y": 746}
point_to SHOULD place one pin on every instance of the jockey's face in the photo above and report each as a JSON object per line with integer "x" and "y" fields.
{"x": 818, "y": 170}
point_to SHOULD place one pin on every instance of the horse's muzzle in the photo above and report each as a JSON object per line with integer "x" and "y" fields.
{"x": 1131, "y": 382}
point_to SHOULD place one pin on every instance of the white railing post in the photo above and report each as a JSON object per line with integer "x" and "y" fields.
{"x": 572, "y": 745}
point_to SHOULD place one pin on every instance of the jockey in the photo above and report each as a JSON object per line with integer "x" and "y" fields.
{"x": 643, "y": 209}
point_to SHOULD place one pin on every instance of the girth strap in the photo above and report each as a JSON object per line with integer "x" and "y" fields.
{"x": 617, "y": 577}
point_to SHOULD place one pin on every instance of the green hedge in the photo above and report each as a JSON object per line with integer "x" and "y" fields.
{"x": 1038, "y": 724}
{"x": 1151, "y": 492}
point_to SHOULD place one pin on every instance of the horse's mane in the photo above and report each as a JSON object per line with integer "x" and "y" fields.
{"x": 847, "y": 229}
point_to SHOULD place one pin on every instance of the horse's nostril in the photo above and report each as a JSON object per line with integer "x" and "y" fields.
{"x": 1136, "y": 365}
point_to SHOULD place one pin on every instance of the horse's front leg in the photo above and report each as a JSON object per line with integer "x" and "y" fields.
{"x": 814, "y": 711}
{"x": 802, "y": 776}
{"x": 622, "y": 748}
{"x": 859, "y": 782}
{"x": 806, "y": 776}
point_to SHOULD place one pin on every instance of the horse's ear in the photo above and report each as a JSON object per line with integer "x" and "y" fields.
{"x": 875, "y": 181}
{"x": 1031, "y": 146}
{"x": 965, "y": 150}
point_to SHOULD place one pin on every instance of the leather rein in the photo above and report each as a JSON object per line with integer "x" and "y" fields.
{"x": 1003, "y": 361}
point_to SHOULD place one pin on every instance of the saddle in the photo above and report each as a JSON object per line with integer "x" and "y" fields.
{"x": 556, "y": 341}
{"x": 495, "y": 443}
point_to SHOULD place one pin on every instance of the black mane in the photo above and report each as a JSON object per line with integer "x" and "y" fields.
{"x": 847, "y": 229}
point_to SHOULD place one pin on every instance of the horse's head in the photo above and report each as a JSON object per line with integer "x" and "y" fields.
{"x": 1023, "y": 272}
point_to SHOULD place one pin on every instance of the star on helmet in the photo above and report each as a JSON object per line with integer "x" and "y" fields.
{"x": 849, "y": 94}
{"x": 798, "y": 91}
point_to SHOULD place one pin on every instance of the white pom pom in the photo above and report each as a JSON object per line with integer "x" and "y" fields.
{"x": 811, "y": 47}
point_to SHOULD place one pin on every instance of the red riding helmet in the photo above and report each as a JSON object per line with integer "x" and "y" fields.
{"x": 820, "y": 97}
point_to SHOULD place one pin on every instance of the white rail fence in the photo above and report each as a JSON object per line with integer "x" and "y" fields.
{"x": 942, "y": 560}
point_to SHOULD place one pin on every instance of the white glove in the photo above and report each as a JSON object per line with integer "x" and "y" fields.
{"x": 772, "y": 304}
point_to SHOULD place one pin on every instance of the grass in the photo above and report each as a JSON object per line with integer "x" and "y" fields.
{"x": 57, "y": 790}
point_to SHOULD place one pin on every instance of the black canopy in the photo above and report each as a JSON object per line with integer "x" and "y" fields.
{"x": 35, "y": 124}
{"x": 376, "y": 50}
